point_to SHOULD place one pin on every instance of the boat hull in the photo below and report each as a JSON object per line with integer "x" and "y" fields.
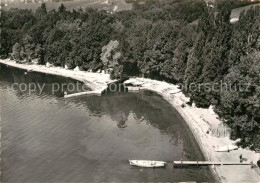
{"x": 147, "y": 163}
{"x": 226, "y": 148}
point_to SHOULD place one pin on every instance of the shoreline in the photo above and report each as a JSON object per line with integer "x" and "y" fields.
{"x": 96, "y": 81}
{"x": 198, "y": 120}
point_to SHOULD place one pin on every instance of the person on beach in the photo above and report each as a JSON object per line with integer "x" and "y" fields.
{"x": 241, "y": 158}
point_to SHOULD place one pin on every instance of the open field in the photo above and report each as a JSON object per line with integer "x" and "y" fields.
{"x": 70, "y": 5}
{"x": 236, "y": 12}
{"x": 116, "y": 5}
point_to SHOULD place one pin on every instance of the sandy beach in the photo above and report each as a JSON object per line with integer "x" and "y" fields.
{"x": 96, "y": 81}
{"x": 199, "y": 121}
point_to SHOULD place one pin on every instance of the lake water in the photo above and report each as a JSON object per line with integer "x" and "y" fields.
{"x": 46, "y": 138}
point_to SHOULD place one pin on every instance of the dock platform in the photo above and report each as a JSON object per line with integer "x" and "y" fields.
{"x": 204, "y": 163}
{"x": 97, "y": 93}
{"x": 133, "y": 89}
{"x": 89, "y": 93}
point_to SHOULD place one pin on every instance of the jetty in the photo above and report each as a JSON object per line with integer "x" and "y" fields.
{"x": 133, "y": 89}
{"x": 97, "y": 92}
{"x": 90, "y": 93}
{"x": 205, "y": 163}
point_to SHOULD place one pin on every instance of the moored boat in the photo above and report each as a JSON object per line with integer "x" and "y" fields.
{"x": 147, "y": 163}
{"x": 226, "y": 148}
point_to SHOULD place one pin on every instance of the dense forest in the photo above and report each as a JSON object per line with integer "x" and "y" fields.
{"x": 185, "y": 42}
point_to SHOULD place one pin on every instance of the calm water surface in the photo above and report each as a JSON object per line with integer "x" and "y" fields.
{"x": 46, "y": 138}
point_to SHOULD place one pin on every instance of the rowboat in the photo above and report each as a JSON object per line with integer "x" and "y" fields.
{"x": 138, "y": 83}
{"x": 130, "y": 81}
{"x": 226, "y": 148}
{"x": 174, "y": 91}
{"x": 147, "y": 163}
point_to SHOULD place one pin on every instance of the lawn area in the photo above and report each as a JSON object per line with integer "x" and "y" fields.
{"x": 236, "y": 12}
{"x": 70, "y": 5}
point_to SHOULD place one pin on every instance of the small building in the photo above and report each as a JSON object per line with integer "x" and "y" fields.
{"x": 211, "y": 110}
{"x": 78, "y": 68}
{"x": 234, "y": 20}
{"x": 35, "y": 61}
{"x": 48, "y": 64}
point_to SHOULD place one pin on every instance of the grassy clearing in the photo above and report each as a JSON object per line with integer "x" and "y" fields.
{"x": 236, "y": 12}
{"x": 70, "y": 5}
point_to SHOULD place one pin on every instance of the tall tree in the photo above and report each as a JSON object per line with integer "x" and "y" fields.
{"x": 17, "y": 52}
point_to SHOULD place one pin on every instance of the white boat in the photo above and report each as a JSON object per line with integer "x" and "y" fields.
{"x": 226, "y": 148}
{"x": 174, "y": 91}
{"x": 130, "y": 81}
{"x": 134, "y": 82}
{"x": 147, "y": 163}
{"x": 138, "y": 83}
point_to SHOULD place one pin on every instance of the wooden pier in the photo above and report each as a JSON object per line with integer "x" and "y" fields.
{"x": 97, "y": 93}
{"x": 205, "y": 163}
{"x": 90, "y": 93}
{"x": 133, "y": 89}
